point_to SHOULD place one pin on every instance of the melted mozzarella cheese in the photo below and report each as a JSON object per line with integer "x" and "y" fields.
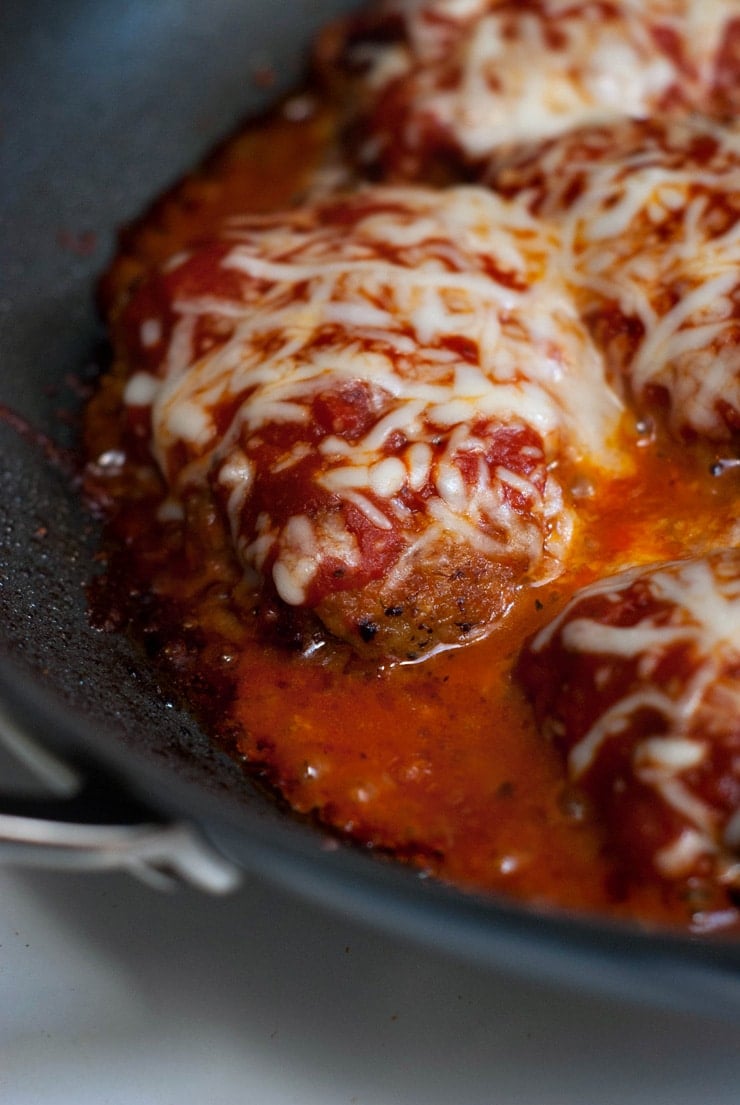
{"x": 656, "y": 231}
{"x": 492, "y": 72}
{"x": 449, "y": 310}
{"x": 703, "y": 601}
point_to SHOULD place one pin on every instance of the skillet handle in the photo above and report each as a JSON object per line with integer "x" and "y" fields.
{"x": 162, "y": 855}
{"x": 90, "y": 823}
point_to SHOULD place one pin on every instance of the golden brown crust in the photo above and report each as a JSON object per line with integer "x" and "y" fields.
{"x": 451, "y": 603}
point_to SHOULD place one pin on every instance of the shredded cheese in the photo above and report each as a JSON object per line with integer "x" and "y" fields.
{"x": 447, "y": 310}
{"x": 693, "y": 604}
{"x": 654, "y": 231}
{"x": 491, "y": 73}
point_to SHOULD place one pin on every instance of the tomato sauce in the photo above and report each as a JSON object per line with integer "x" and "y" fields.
{"x": 436, "y": 762}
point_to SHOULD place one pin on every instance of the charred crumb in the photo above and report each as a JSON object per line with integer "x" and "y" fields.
{"x": 368, "y": 630}
{"x": 290, "y": 628}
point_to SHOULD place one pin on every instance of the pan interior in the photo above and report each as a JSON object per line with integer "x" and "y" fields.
{"x": 104, "y": 107}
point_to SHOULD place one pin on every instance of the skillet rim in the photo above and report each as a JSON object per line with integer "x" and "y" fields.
{"x": 590, "y": 953}
{"x": 624, "y": 960}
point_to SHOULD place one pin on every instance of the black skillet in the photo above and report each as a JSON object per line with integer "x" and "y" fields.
{"x": 102, "y": 105}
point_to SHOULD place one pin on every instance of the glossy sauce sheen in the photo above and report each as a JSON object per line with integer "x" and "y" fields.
{"x": 437, "y": 762}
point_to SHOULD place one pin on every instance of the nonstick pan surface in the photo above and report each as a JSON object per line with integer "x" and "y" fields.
{"x": 102, "y": 106}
